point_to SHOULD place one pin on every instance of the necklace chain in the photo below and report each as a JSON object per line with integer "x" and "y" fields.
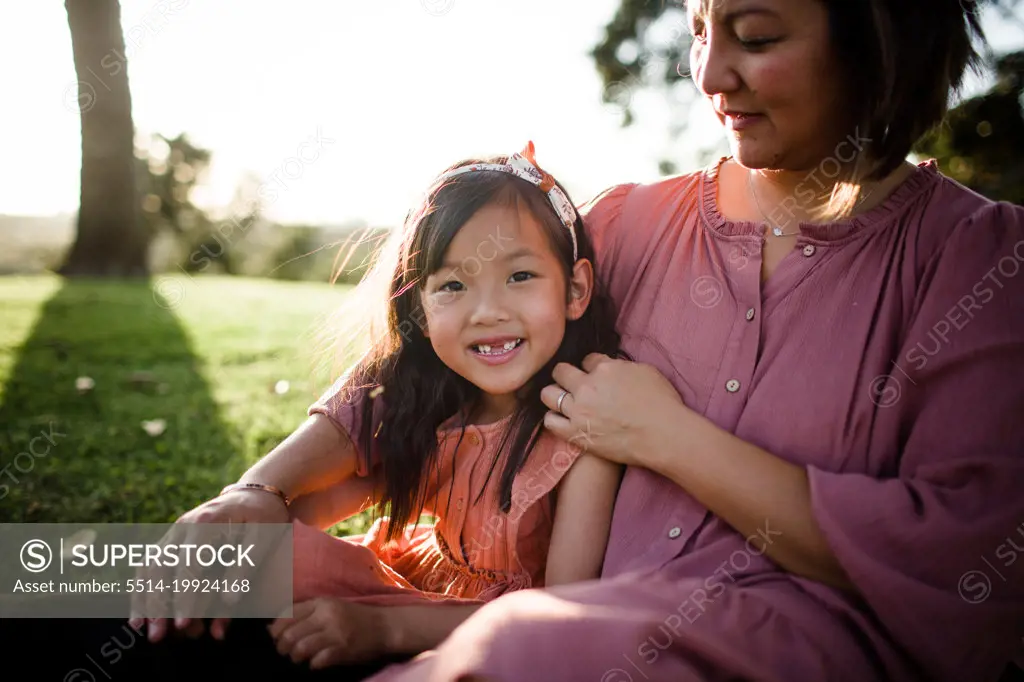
{"x": 776, "y": 230}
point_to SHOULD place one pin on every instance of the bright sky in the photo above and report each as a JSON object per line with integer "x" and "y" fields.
{"x": 400, "y": 89}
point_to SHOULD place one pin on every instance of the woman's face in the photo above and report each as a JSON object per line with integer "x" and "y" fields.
{"x": 768, "y": 68}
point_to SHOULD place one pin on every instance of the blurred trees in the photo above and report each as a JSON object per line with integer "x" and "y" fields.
{"x": 167, "y": 171}
{"x": 646, "y": 47}
{"x": 981, "y": 141}
{"x": 109, "y": 241}
{"x": 240, "y": 240}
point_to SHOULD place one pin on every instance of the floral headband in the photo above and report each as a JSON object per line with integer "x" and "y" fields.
{"x": 524, "y": 165}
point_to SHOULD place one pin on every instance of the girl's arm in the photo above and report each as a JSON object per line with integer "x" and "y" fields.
{"x": 415, "y": 629}
{"x": 324, "y": 508}
{"x": 583, "y": 517}
{"x": 308, "y": 466}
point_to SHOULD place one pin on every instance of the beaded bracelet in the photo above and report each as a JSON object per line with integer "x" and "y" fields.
{"x": 257, "y": 486}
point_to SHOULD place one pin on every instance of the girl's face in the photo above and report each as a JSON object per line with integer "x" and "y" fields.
{"x": 769, "y": 71}
{"x": 496, "y": 310}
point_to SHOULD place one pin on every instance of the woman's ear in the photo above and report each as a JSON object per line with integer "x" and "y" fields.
{"x": 581, "y": 288}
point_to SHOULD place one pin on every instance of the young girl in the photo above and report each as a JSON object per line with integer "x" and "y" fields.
{"x": 491, "y": 285}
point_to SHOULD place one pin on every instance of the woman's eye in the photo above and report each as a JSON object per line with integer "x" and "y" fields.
{"x": 521, "y": 276}
{"x": 697, "y": 29}
{"x": 756, "y": 43}
{"x": 451, "y": 287}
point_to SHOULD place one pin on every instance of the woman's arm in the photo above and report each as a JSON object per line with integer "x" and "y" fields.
{"x": 760, "y": 495}
{"x": 756, "y": 492}
{"x": 583, "y": 517}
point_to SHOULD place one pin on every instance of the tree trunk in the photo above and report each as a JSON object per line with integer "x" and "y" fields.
{"x": 111, "y": 240}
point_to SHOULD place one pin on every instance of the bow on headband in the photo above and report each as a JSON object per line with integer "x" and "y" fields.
{"x": 524, "y": 165}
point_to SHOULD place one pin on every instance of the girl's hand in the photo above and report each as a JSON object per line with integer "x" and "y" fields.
{"x": 326, "y": 632}
{"x": 615, "y": 409}
{"x": 237, "y": 507}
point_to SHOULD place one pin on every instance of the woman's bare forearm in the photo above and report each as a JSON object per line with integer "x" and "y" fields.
{"x": 314, "y": 457}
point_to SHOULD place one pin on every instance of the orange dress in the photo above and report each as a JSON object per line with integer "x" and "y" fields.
{"x": 474, "y": 551}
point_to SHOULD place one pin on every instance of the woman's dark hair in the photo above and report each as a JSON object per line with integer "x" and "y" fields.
{"x": 905, "y": 60}
{"x": 417, "y": 390}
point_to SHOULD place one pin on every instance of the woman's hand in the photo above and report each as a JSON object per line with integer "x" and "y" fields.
{"x": 629, "y": 413}
{"x": 326, "y": 632}
{"x": 615, "y": 409}
{"x": 237, "y": 507}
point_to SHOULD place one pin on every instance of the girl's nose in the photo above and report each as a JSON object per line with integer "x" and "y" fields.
{"x": 490, "y": 310}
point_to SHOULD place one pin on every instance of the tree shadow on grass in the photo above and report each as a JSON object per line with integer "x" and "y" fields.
{"x": 79, "y": 454}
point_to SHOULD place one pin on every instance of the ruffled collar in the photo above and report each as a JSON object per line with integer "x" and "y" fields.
{"x": 924, "y": 176}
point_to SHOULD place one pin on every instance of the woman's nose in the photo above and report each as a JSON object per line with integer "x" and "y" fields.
{"x": 712, "y": 66}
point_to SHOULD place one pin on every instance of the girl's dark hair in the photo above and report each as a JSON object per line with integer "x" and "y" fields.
{"x": 905, "y": 59}
{"x": 417, "y": 390}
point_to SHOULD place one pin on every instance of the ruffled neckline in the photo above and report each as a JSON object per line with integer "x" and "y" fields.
{"x": 451, "y": 425}
{"x": 924, "y": 176}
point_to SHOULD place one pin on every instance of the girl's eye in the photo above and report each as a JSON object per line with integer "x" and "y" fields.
{"x": 521, "y": 276}
{"x": 452, "y": 286}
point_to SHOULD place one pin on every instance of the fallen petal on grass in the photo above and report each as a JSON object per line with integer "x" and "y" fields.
{"x": 154, "y": 427}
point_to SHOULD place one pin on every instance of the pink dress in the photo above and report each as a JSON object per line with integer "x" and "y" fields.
{"x": 474, "y": 552}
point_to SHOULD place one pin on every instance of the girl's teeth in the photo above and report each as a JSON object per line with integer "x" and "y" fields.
{"x": 509, "y": 345}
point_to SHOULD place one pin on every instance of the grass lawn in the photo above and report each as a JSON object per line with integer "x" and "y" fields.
{"x": 204, "y": 356}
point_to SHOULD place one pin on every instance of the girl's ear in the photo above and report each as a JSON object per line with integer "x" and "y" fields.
{"x": 581, "y": 288}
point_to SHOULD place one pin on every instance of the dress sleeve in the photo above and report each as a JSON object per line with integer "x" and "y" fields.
{"x": 345, "y": 406}
{"x": 936, "y": 549}
{"x": 602, "y": 221}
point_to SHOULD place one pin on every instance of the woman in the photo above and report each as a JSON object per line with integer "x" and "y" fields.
{"x": 822, "y": 426}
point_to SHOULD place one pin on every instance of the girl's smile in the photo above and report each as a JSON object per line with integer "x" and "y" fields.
{"x": 497, "y": 350}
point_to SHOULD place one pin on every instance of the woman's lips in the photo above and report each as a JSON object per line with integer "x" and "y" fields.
{"x": 738, "y": 121}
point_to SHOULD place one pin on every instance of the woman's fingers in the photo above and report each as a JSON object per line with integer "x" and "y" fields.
{"x": 550, "y": 394}
{"x": 592, "y": 360}
{"x": 568, "y": 377}
{"x": 559, "y": 425}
